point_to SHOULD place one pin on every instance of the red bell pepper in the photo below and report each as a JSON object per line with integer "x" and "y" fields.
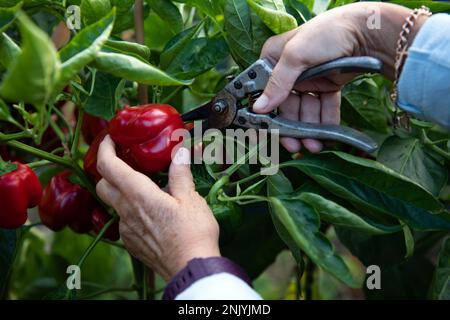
{"x": 92, "y": 126}
{"x": 90, "y": 159}
{"x": 20, "y": 189}
{"x": 143, "y": 136}
{"x": 66, "y": 203}
{"x": 99, "y": 219}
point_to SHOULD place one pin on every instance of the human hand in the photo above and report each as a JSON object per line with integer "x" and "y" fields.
{"x": 162, "y": 229}
{"x": 337, "y": 33}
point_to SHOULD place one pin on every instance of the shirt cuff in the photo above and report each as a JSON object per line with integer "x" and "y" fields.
{"x": 222, "y": 286}
{"x": 197, "y": 269}
{"x": 424, "y": 84}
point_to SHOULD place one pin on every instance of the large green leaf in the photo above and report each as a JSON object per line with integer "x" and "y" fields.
{"x": 338, "y": 215}
{"x": 273, "y": 14}
{"x": 197, "y": 57}
{"x": 363, "y": 106}
{"x": 39, "y": 58}
{"x": 169, "y": 12}
{"x": 9, "y": 50}
{"x": 298, "y": 225}
{"x": 410, "y": 158}
{"x": 94, "y": 10}
{"x": 8, "y": 239}
{"x": 302, "y": 224}
{"x": 176, "y": 44}
{"x": 102, "y": 103}
{"x": 245, "y": 32}
{"x": 132, "y": 69}
{"x": 8, "y": 15}
{"x": 84, "y": 47}
{"x": 374, "y": 187}
{"x": 130, "y": 48}
{"x": 256, "y": 243}
{"x": 211, "y": 8}
{"x": 440, "y": 288}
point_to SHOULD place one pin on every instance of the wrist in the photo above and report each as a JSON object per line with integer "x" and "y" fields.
{"x": 189, "y": 253}
{"x": 380, "y": 25}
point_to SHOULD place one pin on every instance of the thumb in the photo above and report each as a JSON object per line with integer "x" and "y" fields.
{"x": 181, "y": 182}
{"x": 279, "y": 86}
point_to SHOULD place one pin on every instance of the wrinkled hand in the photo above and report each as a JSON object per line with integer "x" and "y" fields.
{"x": 334, "y": 34}
{"x": 162, "y": 229}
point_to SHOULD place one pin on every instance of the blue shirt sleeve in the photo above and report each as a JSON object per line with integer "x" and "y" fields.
{"x": 424, "y": 84}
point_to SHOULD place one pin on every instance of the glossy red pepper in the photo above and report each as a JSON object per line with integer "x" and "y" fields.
{"x": 90, "y": 159}
{"x": 99, "y": 219}
{"x": 92, "y": 126}
{"x": 19, "y": 190}
{"x": 143, "y": 136}
{"x": 65, "y": 203}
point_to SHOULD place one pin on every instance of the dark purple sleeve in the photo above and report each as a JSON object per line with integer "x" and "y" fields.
{"x": 197, "y": 269}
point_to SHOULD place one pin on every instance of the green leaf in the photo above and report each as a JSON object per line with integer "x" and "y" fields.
{"x": 338, "y": 215}
{"x": 409, "y": 241}
{"x": 8, "y": 239}
{"x": 94, "y": 10}
{"x": 39, "y": 58}
{"x": 363, "y": 106}
{"x": 410, "y": 158}
{"x": 440, "y": 288}
{"x": 176, "y": 44}
{"x": 132, "y": 69}
{"x": 169, "y": 12}
{"x": 102, "y": 103}
{"x": 245, "y": 32}
{"x": 256, "y": 243}
{"x": 9, "y": 50}
{"x": 301, "y": 10}
{"x": 199, "y": 56}
{"x": 320, "y": 6}
{"x": 6, "y": 167}
{"x": 8, "y": 15}
{"x": 273, "y": 14}
{"x": 130, "y": 47}
{"x": 211, "y": 8}
{"x": 375, "y": 188}
{"x": 84, "y": 47}
{"x": 435, "y": 6}
{"x": 157, "y": 32}
{"x": 302, "y": 224}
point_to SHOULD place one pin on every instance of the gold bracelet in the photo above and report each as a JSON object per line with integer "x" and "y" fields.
{"x": 400, "y": 58}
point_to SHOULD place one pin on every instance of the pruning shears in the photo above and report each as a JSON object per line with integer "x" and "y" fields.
{"x": 232, "y": 105}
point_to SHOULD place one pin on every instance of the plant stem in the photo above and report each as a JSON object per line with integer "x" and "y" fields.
{"x": 38, "y": 164}
{"x": 40, "y": 153}
{"x": 140, "y": 38}
{"x": 172, "y": 94}
{"x": 76, "y": 136}
{"x": 245, "y": 180}
{"x": 96, "y": 241}
{"x": 223, "y": 197}
{"x": 14, "y": 136}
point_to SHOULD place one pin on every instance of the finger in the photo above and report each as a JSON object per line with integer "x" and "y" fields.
{"x": 280, "y": 84}
{"x": 119, "y": 174}
{"x": 310, "y": 113}
{"x": 273, "y": 47}
{"x": 181, "y": 182}
{"x": 331, "y": 105}
{"x": 108, "y": 193}
{"x": 291, "y": 110}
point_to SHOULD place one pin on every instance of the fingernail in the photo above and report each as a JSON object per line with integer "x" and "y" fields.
{"x": 261, "y": 104}
{"x": 182, "y": 157}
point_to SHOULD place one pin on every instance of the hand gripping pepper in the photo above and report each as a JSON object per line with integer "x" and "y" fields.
{"x": 143, "y": 136}
{"x": 20, "y": 189}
